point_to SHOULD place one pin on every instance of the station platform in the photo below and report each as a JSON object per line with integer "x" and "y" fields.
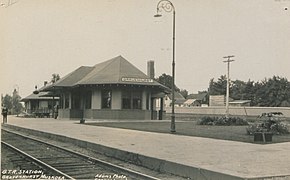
{"x": 193, "y": 157}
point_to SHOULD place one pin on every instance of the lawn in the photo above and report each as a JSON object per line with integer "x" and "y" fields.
{"x": 190, "y": 128}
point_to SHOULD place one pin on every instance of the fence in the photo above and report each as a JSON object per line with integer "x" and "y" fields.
{"x": 40, "y": 112}
{"x": 237, "y": 111}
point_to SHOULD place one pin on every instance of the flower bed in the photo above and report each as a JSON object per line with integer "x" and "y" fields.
{"x": 274, "y": 127}
{"x": 222, "y": 121}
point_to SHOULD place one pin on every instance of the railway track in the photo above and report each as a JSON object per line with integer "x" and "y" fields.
{"x": 23, "y": 166}
{"x": 62, "y": 163}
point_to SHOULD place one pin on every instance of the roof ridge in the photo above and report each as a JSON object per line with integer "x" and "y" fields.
{"x": 112, "y": 61}
{"x": 97, "y": 68}
{"x": 120, "y": 65}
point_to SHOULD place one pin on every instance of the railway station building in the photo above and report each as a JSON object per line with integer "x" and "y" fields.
{"x": 114, "y": 89}
{"x": 40, "y": 104}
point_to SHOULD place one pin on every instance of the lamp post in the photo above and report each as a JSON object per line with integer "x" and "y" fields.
{"x": 167, "y": 6}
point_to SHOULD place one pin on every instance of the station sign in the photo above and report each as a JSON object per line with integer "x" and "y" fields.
{"x": 138, "y": 80}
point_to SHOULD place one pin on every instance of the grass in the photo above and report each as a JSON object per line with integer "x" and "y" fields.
{"x": 190, "y": 128}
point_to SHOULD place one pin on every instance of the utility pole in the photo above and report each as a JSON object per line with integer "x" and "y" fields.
{"x": 229, "y": 60}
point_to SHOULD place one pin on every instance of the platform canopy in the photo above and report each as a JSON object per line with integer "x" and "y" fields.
{"x": 40, "y": 96}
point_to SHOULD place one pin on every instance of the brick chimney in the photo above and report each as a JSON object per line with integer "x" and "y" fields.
{"x": 150, "y": 69}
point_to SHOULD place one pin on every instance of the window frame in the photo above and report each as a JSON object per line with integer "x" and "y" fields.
{"x": 133, "y": 98}
{"x": 88, "y": 99}
{"x": 108, "y": 98}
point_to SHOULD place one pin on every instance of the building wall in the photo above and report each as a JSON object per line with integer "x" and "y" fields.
{"x": 96, "y": 99}
{"x": 70, "y": 113}
{"x": 116, "y": 99}
{"x": 147, "y": 111}
{"x": 122, "y": 114}
{"x": 217, "y": 100}
{"x": 28, "y": 105}
{"x": 43, "y": 104}
{"x": 144, "y": 97}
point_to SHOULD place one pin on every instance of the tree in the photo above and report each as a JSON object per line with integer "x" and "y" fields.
{"x": 7, "y": 102}
{"x": 219, "y": 87}
{"x": 55, "y": 77}
{"x": 166, "y": 80}
{"x": 16, "y": 105}
{"x": 12, "y": 102}
{"x": 184, "y": 93}
{"x": 273, "y": 92}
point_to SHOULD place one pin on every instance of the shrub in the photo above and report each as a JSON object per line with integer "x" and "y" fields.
{"x": 275, "y": 128}
{"x": 222, "y": 121}
{"x": 252, "y": 128}
{"x": 279, "y": 128}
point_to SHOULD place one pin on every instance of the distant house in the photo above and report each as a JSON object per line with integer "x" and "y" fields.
{"x": 179, "y": 100}
{"x": 191, "y": 102}
{"x": 195, "y": 99}
{"x": 40, "y": 104}
{"x": 113, "y": 89}
{"x": 217, "y": 100}
{"x": 220, "y": 100}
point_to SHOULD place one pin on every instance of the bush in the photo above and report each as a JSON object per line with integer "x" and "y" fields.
{"x": 222, "y": 121}
{"x": 252, "y": 128}
{"x": 279, "y": 128}
{"x": 275, "y": 128}
{"x": 207, "y": 120}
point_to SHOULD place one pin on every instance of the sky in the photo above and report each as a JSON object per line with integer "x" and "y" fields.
{"x": 39, "y": 38}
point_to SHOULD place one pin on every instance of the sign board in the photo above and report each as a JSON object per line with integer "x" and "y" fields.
{"x": 138, "y": 80}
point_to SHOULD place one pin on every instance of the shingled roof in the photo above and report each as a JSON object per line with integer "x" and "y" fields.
{"x": 40, "y": 96}
{"x": 198, "y": 97}
{"x": 72, "y": 78}
{"x": 114, "y": 71}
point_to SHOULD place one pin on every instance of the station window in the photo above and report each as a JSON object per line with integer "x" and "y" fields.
{"x": 136, "y": 98}
{"x": 88, "y": 100}
{"x": 147, "y": 101}
{"x": 66, "y": 100}
{"x": 75, "y": 100}
{"x": 61, "y": 102}
{"x": 106, "y": 99}
{"x": 126, "y": 100}
{"x": 131, "y": 100}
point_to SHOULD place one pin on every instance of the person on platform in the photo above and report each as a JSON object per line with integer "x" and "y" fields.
{"x": 55, "y": 111}
{"x": 4, "y": 114}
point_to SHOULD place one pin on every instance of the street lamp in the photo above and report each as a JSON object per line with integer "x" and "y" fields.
{"x": 36, "y": 91}
{"x": 167, "y": 6}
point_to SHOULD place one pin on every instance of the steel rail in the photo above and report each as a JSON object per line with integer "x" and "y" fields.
{"x": 39, "y": 162}
{"x": 102, "y": 162}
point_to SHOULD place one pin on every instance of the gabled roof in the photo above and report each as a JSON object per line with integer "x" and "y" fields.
{"x": 177, "y": 96}
{"x": 198, "y": 97}
{"x": 189, "y": 101}
{"x": 114, "y": 71}
{"x": 180, "y": 101}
